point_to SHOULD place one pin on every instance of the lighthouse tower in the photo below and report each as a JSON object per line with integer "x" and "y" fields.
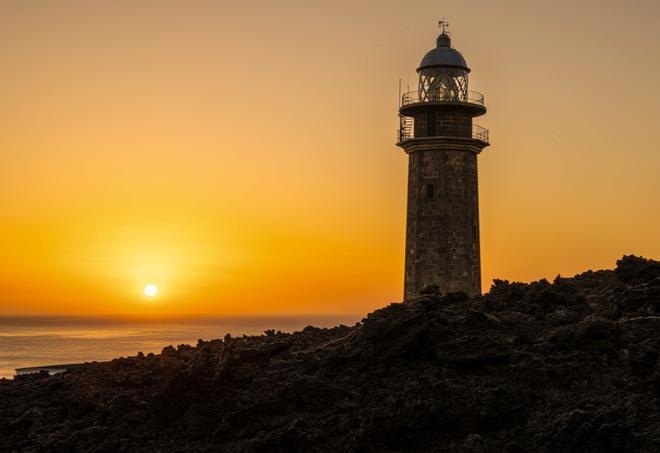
{"x": 442, "y": 143}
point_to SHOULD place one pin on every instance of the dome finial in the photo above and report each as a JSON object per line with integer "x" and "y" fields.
{"x": 443, "y": 40}
{"x": 443, "y": 24}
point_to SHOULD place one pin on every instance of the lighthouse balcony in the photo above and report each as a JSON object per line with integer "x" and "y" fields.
{"x": 408, "y": 131}
{"x": 418, "y": 101}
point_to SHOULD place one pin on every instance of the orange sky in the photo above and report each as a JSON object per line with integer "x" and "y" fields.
{"x": 241, "y": 155}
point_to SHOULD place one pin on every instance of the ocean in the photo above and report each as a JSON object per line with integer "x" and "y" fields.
{"x": 39, "y": 341}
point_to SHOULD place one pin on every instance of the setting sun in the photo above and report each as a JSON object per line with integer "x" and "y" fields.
{"x": 150, "y": 290}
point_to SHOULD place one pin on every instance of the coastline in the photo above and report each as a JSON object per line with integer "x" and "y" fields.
{"x": 44, "y": 341}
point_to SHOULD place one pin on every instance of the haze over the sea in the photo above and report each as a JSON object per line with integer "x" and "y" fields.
{"x": 53, "y": 340}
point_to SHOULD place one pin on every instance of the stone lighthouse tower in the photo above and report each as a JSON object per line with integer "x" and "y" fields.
{"x": 442, "y": 143}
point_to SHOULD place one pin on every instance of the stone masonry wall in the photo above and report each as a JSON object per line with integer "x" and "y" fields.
{"x": 443, "y": 123}
{"x": 442, "y": 237}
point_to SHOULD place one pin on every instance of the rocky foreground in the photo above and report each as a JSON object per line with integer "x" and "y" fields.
{"x": 568, "y": 366}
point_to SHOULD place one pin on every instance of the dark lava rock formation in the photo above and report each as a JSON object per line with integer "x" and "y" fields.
{"x": 568, "y": 366}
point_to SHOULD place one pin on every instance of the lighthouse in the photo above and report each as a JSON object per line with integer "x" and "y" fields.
{"x": 442, "y": 143}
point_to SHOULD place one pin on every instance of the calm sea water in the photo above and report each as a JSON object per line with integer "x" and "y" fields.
{"x": 38, "y": 341}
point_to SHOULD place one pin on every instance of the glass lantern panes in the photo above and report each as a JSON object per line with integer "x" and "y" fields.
{"x": 443, "y": 84}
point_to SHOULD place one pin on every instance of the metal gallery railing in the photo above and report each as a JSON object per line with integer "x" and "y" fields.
{"x": 480, "y": 133}
{"x": 407, "y": 132}
{"x": 417, "y": 97}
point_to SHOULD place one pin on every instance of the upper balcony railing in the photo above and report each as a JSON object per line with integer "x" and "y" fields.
{"x": 419, "y": 97}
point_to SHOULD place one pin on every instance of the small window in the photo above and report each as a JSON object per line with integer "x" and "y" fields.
{"x": 429, "y": 191}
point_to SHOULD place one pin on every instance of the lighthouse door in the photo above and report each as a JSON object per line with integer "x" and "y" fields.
{"x": 430, "y": 121}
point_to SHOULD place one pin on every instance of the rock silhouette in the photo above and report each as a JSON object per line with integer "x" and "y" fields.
{"x": 567, "y": 366}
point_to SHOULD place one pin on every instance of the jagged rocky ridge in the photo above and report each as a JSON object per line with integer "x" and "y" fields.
{"x": 568, "y": 366}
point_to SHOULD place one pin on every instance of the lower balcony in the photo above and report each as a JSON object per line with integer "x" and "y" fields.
{"x": 407, "y": 132}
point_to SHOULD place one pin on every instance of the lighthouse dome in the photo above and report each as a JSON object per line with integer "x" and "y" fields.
{"x": 443, "y": 56}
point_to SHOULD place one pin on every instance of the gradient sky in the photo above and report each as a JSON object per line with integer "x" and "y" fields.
{"x": 241, "y": 155}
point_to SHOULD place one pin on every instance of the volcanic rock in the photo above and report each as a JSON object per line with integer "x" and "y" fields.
{"x": 567, "y": 366}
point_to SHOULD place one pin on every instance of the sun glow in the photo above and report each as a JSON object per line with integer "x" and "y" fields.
{"x": 114, "y": 173}
{"x": 150, "y": 290}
